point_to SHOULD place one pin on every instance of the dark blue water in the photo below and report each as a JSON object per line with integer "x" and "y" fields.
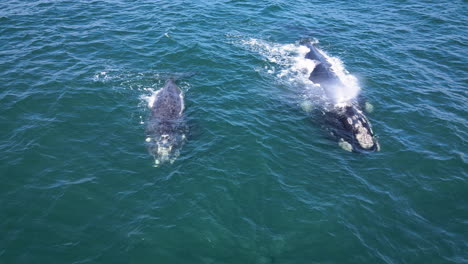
{"x": 259, "y": 179}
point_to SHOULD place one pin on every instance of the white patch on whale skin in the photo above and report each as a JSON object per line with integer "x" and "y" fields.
{"x": 345, "y": 145}
{"x": 358, "y": 124}
{"x": 364, "y": 138}
{"x": 164, "y": 153}
{"x": 148, "y": 139}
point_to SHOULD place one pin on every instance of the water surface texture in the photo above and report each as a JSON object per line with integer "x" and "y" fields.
{"x": 259, "y": 180}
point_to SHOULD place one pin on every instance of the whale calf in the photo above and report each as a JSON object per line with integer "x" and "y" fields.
{"x": 345, "y": 119}
{"x": 166, "y": 128}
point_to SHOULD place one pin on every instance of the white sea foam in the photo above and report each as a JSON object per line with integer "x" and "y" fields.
{"x": 351, "y": 87}
{"x": 100, "y": 76}
{"x": 288, "y": 64}
{"x": 149, "y": 99}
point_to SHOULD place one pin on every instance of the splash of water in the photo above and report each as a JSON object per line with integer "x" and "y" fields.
{"x": 149, "y": 99}
{"x": 288, "y": 64}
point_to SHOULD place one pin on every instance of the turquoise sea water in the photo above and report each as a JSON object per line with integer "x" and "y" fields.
{"x": 259, "y": 180}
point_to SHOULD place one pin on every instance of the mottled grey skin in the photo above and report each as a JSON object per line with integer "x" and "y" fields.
{"x": 346, "y": 121}
{"x": 166, "y": 127}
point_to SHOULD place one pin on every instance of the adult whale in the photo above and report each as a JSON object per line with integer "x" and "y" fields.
{"x": 345, "y": 119}
{"x": 166, "y": 128}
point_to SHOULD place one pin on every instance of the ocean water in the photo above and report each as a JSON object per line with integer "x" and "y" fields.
{"x": 259, "y": 179}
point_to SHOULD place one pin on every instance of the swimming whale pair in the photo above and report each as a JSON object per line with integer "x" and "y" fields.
{"x": 345, "y": 119}
{"x": 166, "y": 128}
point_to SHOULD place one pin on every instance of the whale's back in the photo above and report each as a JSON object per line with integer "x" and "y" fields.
{"x": 168, "y": 104}
{"x": 323, "y": 73}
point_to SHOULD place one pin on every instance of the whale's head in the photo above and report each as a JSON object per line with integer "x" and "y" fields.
{"x": 353, "y": 129}
{"x": 165, "y": 148}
